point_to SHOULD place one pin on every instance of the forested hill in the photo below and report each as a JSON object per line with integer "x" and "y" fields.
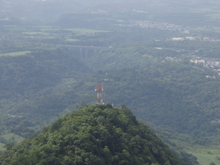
{"x": 98, "y": 134}
{"x": 31, "y": 86}
{"x": 23, "y": 76}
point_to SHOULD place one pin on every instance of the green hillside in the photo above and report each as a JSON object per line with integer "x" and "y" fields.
{"x": 160, "y": 58}
{"x": 97, "y": 134}
{"x": 32, "y": 87}
{"x": 173, "y": 95}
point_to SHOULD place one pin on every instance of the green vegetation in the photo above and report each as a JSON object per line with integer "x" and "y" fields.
{"x": 205, "y": 154}
{"x": 12, "y": 137}
{"x": 170, "y": 95}
{"x": 2, "y": 147}
{"x": 165, "y": 67}
{"x": 15, "y": 53}
{"x": 97, "y": 134}
{"x": 71, "y": 40}
{"x": 85, "y": 31}
{"x": 38, "y": 80}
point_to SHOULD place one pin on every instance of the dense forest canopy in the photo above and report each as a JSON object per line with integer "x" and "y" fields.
{"x": 97, "y": 134}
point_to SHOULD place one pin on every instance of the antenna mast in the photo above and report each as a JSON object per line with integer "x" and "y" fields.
{"x": 99, "y": 91}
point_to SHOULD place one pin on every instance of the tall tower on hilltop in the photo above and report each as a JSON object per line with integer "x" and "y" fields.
{"x": 99, "y": 91}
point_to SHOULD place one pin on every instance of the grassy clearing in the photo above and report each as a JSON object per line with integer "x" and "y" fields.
{"x": 86, "y": 31}
{"x": 77, "y": 30}
{"x": 146, "y": 55}
{"x": 12, "y": 137}
{"x": 206, "y": 154}
{"x": 205, "y": 159}
{"x": 36, "y": 33}
{"x": 204, "y": 29}
{"x": 40, "y": 37}
{"x": 2, "y": 147}
{"x": 47, "y": 32}
{"x": 68, "y": 81}
{"x": 15, "y": 53}
{"x": 71, "y": 40}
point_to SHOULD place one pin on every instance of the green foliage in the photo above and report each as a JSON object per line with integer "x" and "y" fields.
{"x": 9, "y": 146}
{"x": 142, "y": 68}
{"x": 97, "y": 134}
{"x": 171, "y": 95}
{"x": 27, "y": 83}
{"x": 28, "y": 74}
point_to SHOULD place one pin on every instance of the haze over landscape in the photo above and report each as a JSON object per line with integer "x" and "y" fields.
{"x": 159, "y": 58}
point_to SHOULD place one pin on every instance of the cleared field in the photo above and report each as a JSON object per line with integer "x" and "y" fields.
{"x": 12, "y": 137}
{"x": 48, "y": 29}
{"x": 199, "y": 28}
{"x": 71, "y": 40}
{"x": 68, "y": 81}
{"x": 2, "y": 147}
{"x": 36, "y": 33}
{"x": 85, "y": 31}
{"x": 15, "y": 53}
{"x": 39, "y": 35}
{"x": 206, "y": 154}
{"x": 49, "y": 32}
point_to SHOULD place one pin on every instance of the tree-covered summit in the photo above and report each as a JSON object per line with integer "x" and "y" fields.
{"x": 98, "y": 134}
